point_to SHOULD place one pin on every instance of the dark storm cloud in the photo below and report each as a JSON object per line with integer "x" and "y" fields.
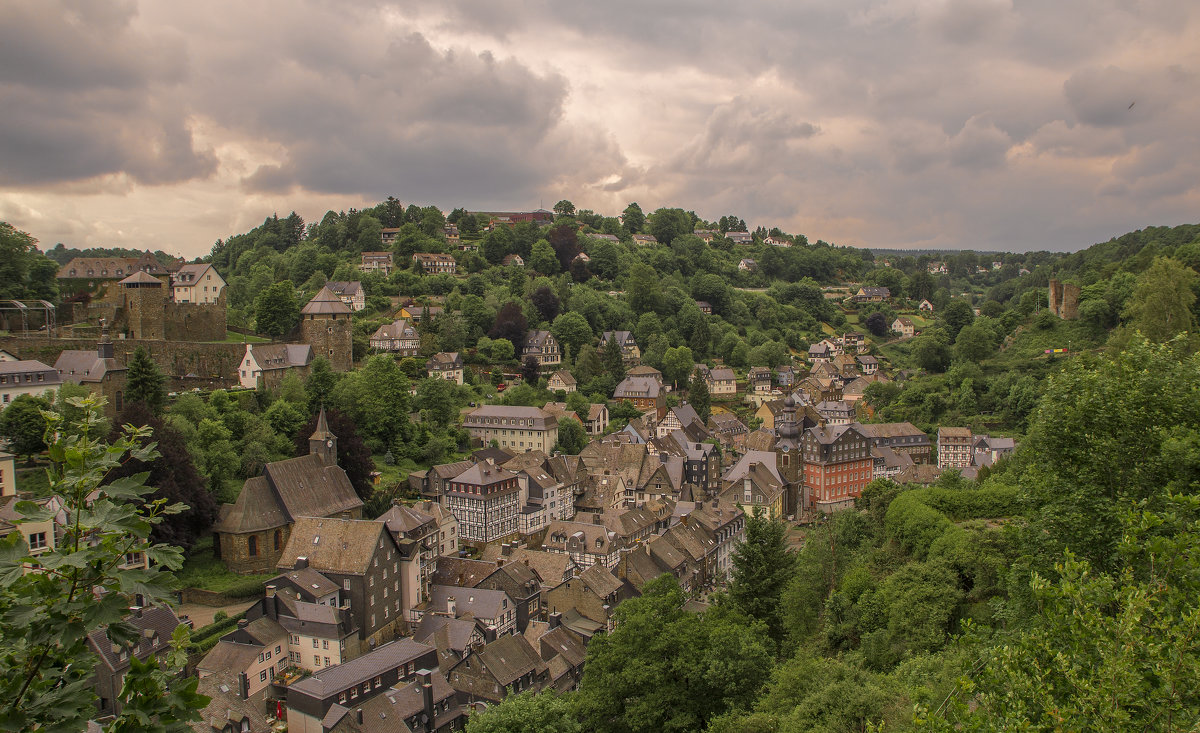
{"x": 84, "y": 95}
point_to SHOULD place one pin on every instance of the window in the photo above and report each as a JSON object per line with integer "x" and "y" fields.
{"x": 37, "y": 540}
{"x": 278, "y": 538}
{"x": 277, "y": 649}
{"x": 252, "y": 546}
{"x": 316, "y": 660}
{"x": 346, "y": 584}
{"x": 314, "y": 643}
{"x": 324, "y": 643}
{"x": 326, "y": 661}
{"x": 262, "y": 676}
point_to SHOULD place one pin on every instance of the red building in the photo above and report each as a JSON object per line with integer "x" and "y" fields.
{"x": 837, "y": 465}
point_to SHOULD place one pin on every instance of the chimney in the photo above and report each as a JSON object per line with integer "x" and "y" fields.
{"x": 508, "y": 549}
{"x": 500, "y": 562}
{"x": 137, "y": 611}
{"x": 555, "y": 620}
{"x": 301, "y": 563}
{"x": 489, "y": 634}
{"x": 270, "y": 591}
{"x": 426, "y": 679}
{"x": 242, "y": 623}
{"x": 451, "y": 605}
{"x": 359, "y": 715}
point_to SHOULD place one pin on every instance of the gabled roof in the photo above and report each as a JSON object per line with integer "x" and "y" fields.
{"x": 397, "y": 329}
{"x": 343, "y": 546}
{"x": 509, "y": 658}
{"x": 325, "y": 302}
{"x": 330, "y": 680}
{"x": 153, "y": 626}
{"x": 475, "y": 602}
{"x": 600, "y": 580}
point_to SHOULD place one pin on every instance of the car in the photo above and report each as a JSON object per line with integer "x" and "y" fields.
{"x": 500, "y": 387}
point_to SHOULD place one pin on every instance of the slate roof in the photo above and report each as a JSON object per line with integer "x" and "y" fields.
{"x": 738, "y": 471}
{"x": 281, "y": 356}
{"x": 226, "y": 706}
{"x": 640, "y": 387}
{"x": 444, "y": 632}
{"x": 344, "y": 546}
{"x": 403, "y": 518}
{"x": 397, "y": 329}
{"x": 160, "y": 621}
{"x": 325, "y": 302}
{"x": 229, "y": 656}
{"x": 509, "y": 658}
{"x": 331, "y": 680}
{"x": 600, "y": 580}
{"x": 288, "y": 489}
{"x": 84, "y": 365}
{"x": 461, "y": 571}
{"x": 386, "y": 713}
{"x": 478, "y": 602}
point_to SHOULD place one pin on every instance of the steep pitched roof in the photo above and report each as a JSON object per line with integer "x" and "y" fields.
{"x": 325, "y": 302}
{"x": 344, "y": 546}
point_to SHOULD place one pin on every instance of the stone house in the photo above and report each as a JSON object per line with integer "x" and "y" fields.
{"x": 508, "y": 664}
{"x": 325, "y": 324}
{"x": 446, "y": 365}
{"x": 250, "y": 534}
{"x": 264, "y": 365}
{"x": 97, "y": 370}
{"x": 594, "y": 594}
{"x": 153, "y": 627}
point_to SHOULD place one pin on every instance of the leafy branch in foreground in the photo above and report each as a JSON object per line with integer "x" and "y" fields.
{"x": 50, "y": 601}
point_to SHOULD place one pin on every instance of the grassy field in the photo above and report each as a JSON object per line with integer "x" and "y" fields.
{"x": 201, "y": 569}
{"x": 32, "y": 480}
{"x": 237, "y": 338}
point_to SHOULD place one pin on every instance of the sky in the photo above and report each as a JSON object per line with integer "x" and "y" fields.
{"x": 959, "y": 124}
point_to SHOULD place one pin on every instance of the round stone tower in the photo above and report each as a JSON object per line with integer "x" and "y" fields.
{"x": 325, "y": 325}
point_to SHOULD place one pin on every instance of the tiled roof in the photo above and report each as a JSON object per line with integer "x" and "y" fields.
{"x": 325, "y": 302}
{"x": 344, "y": 546}
{"x": 332, "y": 680}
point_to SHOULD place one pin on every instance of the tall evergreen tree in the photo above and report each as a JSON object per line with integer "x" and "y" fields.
{"x": 614, "y": 361}
{"x": 698, "y": 396}
{"x": 144, "y": 382}
{"x": 762, "y": 566}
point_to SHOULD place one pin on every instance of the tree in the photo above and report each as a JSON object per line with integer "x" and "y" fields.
{"x": 320, "y": 382}
{"x": 699, "y": 397}
{"x": 144, "y": 381}
{"x": 572, "y": 331}
{"x": 529, "y": 370}
{"x": 678, "y": 363}
{"x": 955, "y": 316}
{"x": 665, "y": 669}
{"x": 174, "y": 478}
{"x": 644, "y": 289}
{"x": 571, "y": 436}
{"x": 46, "y": 668}
{"x": 564, "y": 208}
{"x": 436, "y": 402}
{"x": 877, "y": 324}
{"x": 510, "y": 324}
{"x": 974, "y": 343}
{"x": 528, "y": 712}
{"x": 353, "y": 456}
{"x": 762, "y": 567}
{"x": 276, "y": 311}
{"x": 1109, "y": 433}
{"x": 546, "y": 302}
{"x": 542, "y": 258}
{"x": 24, "y": 426}
{"x": 632, "y": 219}
{"x": 1161, "y": 304}
{"x": 932, "y": 350}
{"x": 667, "y": 224}
{"x": 614, "y": 358}
{"x": 376, "y": 398}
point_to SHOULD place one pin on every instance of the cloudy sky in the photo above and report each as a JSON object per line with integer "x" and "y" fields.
{"x": 986, "y": 124}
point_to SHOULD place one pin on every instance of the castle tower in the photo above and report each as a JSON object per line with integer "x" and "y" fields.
{"x": 323, "y": 442}
{"x": 325, "y": 325}
{"x": 144, "y": 299}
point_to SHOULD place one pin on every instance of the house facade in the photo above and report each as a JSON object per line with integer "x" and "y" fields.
{"x": 521, "y": 428}
{"x": 196, "y": 284}
{"x": 398, "y": 337}
{"x": 543, "y": 347}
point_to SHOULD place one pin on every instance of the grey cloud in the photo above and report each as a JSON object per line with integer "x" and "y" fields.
{"x": 84, "y": 94}
{"x": 978, "y": 145}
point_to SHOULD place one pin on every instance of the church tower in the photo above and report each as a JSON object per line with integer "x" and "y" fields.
{"x": 325, "y": 326}
{"x": 323, "y": 443}
{"x": 788, "y": 456}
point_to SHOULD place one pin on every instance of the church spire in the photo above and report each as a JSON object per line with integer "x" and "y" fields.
{"x": 323, "y": 443}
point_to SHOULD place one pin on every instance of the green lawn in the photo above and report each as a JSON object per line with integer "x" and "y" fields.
{"x": 32, "y": 480}
{"x": 202, "y": 570}
{"x": 237, "y": 338}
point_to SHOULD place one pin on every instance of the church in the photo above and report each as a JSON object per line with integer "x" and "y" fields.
{"x": 250, "y": 534}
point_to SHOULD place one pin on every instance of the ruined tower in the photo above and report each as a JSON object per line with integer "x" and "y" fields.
{"x": 325, "y": 325}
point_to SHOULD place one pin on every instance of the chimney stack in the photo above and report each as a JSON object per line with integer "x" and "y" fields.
{"x": 426, "y": 679}
{"x": 451, "y": 605}
{"x": 359, "y": 714}
{"x": 555, "y": 620}
{"x": 242, "y": 623}
{"x": 301, "y": 563}
{"x": 489, "y": 634}
{"x": 270, "y": 591}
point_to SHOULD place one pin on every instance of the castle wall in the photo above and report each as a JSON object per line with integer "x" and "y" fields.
{"x": 1064, "y": 300}
{"x": 186, "y": 364}
{"x": 195, "y": 321}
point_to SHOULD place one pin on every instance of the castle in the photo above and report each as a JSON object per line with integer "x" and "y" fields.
{"x": 1064, "y": 300}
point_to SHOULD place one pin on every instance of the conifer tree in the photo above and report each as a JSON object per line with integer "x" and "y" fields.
{"x": 144, "y": 381}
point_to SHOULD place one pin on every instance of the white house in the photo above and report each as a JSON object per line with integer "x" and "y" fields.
{"x": 197, "y": 284}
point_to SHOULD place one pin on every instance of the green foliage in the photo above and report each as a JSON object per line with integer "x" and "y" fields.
{"x": 571, "y": 436}
{"x": 1109, "y": 432}
{"x": 46, "y": 616}
{"x": 25, "y": 273}
{"x": 698, "y": 396}
{"x": 1161, "y": 305}
{"x": 528, "y": 712}
{"x": 276, "y": 310}
{"x": 664, "y": 669}
{"x": 23, "y": 424}
{"x": 762, "y": 566}
{"x": 145, "y": 382}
